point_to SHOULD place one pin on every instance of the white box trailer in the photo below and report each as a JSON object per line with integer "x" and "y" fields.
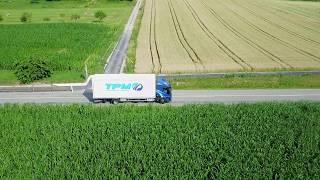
{"x": 125, "y": 87}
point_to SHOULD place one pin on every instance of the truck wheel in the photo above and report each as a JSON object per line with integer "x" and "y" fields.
{"x": 161, "y": 101}
{"x": 114, "y": 101}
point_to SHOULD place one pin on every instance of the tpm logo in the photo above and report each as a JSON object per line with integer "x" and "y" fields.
{"x": 138, "y": 87}
{"x": 124, "y": 86}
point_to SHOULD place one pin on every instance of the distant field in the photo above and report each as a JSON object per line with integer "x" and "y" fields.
{"x": 180, "y": 36}
{"x": 246, "y": 141}
{"x": 60, "y": 11}
{"x": 67, "y": 44}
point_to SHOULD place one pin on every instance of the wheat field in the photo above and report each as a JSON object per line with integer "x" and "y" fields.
{"x": 179, "y": 36}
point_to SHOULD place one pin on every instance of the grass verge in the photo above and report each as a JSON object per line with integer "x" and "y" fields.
{"x": 250, "y": 141}
{"x": 9, "y": 78}
{"x": 247, "y": 82}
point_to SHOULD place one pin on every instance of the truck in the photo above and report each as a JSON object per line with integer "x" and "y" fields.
{"x": 115, "y": 88}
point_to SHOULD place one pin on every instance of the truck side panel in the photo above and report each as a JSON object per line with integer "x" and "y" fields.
{"x": 126, "y": 86}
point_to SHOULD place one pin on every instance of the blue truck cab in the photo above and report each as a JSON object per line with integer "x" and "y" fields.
{"x": 163, "y": 90}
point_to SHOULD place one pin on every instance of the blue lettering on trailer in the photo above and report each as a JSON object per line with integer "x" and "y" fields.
{"x": 123, "y": 86}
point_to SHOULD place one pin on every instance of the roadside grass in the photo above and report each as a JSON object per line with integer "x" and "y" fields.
{"x": 263, "y": 82}
{"x": 64, "y": 77}
{"x": 248, "y": 82}
{"x": 247, "y": 141}
{"x": 9, "y": 78}
{"x": 131, "y": 54}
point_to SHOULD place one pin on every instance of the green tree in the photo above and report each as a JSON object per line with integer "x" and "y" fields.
{"x": 100, "y": 15}
{"x": 1, "y": 18}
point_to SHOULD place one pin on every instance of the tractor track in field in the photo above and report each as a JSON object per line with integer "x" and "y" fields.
{"x": 182, "y": 39}
{"x": 150, "y": 37}
{"x": 284, "y": 18}
{"x": 276, "y": 25}
{"x": 300, "y": 51}
{"x": 223, "y": 47}
{"x": 256, "y": 46}
{"x": 155, "y": 38}
{"x": 152, "y": 34}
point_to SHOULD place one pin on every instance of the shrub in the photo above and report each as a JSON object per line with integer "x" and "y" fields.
{"x": 1, "y": 18}
{"x": 34, "y": 1}
{"x": 62, "y": 15}
{"x": 25, "y": 17}
{"x": 100, "y": 15}
{"x": 46, "y": 19}
{"x": 75, "y": 17}
{"x": 32, "y": 70}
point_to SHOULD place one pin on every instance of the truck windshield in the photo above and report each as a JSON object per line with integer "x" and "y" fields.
{"x": 167, "y": 90}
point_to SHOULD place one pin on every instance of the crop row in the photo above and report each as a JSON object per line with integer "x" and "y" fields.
{"x": 263, "y": 141}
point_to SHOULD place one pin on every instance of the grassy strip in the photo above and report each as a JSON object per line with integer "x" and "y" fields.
{"x": 64, "y": 77}
{"x": 9, "y": 78}
{"x": 251, "y": 141}
{"x": 61, "y": 11}
{"x": 131, "y": 54}
{"x": 260, "y": 82}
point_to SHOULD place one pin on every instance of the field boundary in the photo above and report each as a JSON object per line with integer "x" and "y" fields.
{"x": 87, "y": 84}
{"x": 240, "y": 74}
{"x": 37, "y": 88}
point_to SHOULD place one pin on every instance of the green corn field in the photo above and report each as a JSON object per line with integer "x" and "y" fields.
{"x": 253, "y": 141}
{"x": 66, "y": 46}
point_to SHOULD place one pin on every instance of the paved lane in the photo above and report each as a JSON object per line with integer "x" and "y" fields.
{"x": 179, "y": 97}
{"x": 117, "y": 57}
{"x": 238, "y": 96}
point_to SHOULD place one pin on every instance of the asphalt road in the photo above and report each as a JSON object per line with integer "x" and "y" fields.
{"x": 179, "y": 97}
{"x": 116, "y": 60}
